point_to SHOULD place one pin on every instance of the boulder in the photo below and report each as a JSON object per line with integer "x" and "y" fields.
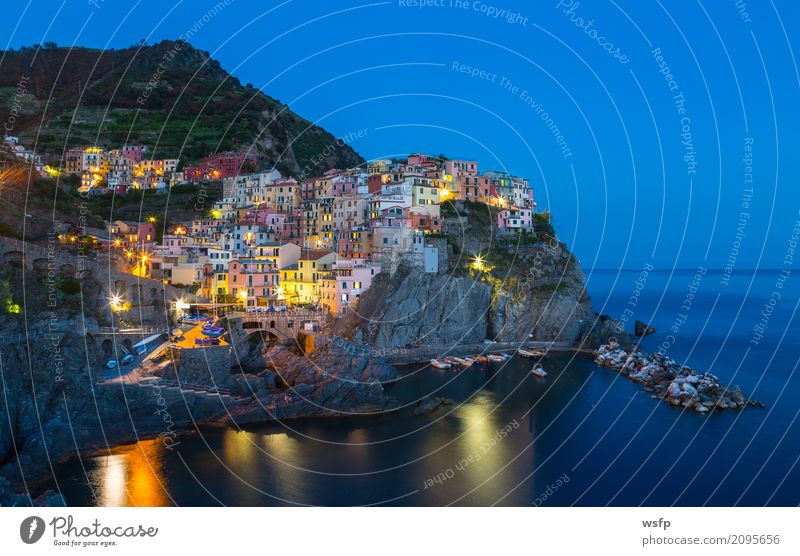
{"x": 643, "y": 329}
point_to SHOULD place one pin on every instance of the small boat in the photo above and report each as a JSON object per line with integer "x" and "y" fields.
{"x": 206, "y": 341}
{"x": 496, "y": 358}
{"x": 126, "y": 359}
{"x": 505, "y": 355}
{"x": 192, "y": 319}
{"x": 439, "y": 364}
{"x": 460, "y": 361}
{"x": 530, "y": 353}
{"x": 467, "y": 361}
{"x": 213, "y": 332}
{"x": 111, "y": 364}
{"x": 480, "y": 359}
{"x": 539, "y": 371}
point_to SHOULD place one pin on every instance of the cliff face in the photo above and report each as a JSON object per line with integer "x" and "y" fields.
{"x": 529, "y": 287}
{"x": 415, "y": 308}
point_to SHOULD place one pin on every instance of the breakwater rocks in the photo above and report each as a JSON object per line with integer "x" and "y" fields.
{"x": 673, "y": 383}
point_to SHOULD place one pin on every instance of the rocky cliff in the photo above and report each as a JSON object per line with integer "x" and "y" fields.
{"x": 56, "y": 408}
{"x": 526, "y": 287}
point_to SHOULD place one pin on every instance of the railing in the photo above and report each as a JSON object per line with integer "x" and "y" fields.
{"x": 322, "y": 315}
{"x": 117, "y": 330}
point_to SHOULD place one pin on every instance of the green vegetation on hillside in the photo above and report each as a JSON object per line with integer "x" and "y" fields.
{"x": 169, "y": 96}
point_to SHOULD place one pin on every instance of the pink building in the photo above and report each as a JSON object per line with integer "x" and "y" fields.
{"x": 222, "y": 165}
{"x": 206, "y": 226}
{"x": 261, "y": 215}
{"x": 346, "y": 184}
{"x": 252, "y": 278}
{"x": 133, "y": 152}
{"x": 341, "y": 289}
{"x": 515, "y": 219}
{"x": 461, "y": 167}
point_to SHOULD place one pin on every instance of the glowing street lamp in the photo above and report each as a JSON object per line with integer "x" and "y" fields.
{"x": 478, "y": 263}
{"x": 181, "y": 305}
{"x": 116, "y": 303}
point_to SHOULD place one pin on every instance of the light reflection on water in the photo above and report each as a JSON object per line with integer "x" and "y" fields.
{"x": 131, "y": 476}
{"x": 616, "y": 444}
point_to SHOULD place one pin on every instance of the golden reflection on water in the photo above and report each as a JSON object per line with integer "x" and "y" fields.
{"x": 487, "y": 447}
{"x": 132, "y": 476}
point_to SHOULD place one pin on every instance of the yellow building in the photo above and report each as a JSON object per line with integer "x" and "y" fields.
{"x": 426, "y": 192}
{"x": 301, "y": 282}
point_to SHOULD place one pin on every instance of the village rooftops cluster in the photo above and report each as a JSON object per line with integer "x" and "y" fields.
{"x": 116, "y": 170}
{"x": 271, "y": 241}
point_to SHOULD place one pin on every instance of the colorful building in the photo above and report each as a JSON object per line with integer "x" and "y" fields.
{"x": 300, "y": 283}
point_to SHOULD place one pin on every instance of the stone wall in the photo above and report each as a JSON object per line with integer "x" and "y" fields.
{"x": 206, "y": 366}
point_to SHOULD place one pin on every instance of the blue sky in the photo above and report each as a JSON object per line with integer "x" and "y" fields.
{"x": 637, "y": 175}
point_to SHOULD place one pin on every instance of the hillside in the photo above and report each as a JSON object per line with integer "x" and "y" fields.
{"x": 194, "y": 107}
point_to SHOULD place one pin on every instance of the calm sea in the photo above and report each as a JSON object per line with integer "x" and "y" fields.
{"x": 582, "y": 436}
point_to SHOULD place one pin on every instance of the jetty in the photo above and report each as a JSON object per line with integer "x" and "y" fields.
{"x": 671, "y": 382}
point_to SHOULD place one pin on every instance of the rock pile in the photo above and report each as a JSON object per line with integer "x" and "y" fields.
{"x": 671, "y": 382}
{"x": 429, "y": 405}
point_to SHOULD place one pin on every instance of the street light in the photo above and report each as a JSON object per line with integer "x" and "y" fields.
{"x": 116, "y": 303}
{"x": 477, "y": 263}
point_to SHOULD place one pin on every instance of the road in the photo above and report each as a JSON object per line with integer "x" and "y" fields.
{"x": 189, "y": 336}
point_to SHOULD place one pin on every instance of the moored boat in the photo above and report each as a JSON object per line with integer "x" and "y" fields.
{"x": 496, "y": 358}
{"x": 206, "y": 341}
{"x": 539, "y": 371}
{"x": 439, "y": 364}
{"x": 530, "y": 353}
{"x": 213, "y": 332}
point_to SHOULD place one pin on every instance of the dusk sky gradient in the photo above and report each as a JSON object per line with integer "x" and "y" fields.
{"x": 625, "y": 196}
